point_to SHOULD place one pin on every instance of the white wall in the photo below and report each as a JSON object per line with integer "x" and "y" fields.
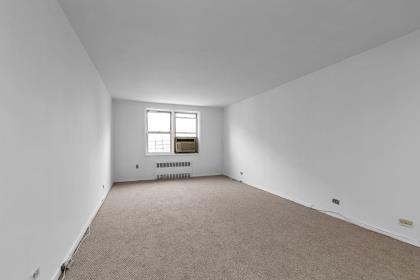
{"x": 350, "y": 131}
{"x": 129, "y": 141}
{"x": 55, "y": 138}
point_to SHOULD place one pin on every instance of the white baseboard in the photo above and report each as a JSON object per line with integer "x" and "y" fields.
{"x": 133, "y": 180}
{"x": 57, "y": 274}
{"x": 206, "y": 175}
{"x": 341, "y": 216}
{"x": 364, "y": 225}
{"x": 355, "y": 222}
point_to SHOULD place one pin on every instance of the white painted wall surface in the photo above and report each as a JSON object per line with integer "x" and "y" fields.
{"x": 350, "y": 131}
{"x": 129, "y": 141}
{"x": 55, "y": 138}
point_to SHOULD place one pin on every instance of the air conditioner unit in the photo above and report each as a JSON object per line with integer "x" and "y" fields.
{"x": 185, "y": 145}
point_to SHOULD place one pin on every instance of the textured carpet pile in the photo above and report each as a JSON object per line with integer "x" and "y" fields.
{"x": 214, "y": 228}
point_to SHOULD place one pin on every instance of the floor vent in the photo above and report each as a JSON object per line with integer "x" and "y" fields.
{"x": 173, "y": 170}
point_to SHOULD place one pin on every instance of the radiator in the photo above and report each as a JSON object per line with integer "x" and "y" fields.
{"x": 173, "y": 170}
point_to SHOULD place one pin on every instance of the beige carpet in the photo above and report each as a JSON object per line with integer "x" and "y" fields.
{"x": 214, "y": 228}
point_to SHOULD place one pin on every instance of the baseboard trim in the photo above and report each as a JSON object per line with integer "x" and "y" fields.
{"x": 364, "y": 225}
{"x": 57, "y": 274}
{"x": 354, "y": 221}
{"x": 134, "y": 180}
{"x": 154, "y": 179}
{"x": 341, "y": 216}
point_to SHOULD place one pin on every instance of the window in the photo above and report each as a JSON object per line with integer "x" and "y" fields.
{"x": 158, "y": 132}
{"x": 185, "y": 124}
{"x": 164, "y": 126}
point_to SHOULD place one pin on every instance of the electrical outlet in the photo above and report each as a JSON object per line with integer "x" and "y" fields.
{"x": 336, "y": 201}
{"x": 406, "y": 223}
{"x": 35, "y": 275}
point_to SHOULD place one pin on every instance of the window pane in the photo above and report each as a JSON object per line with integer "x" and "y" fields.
{"x": 159, "y": 142}
{"x": 186, "y": 115}
{"x": 186, "y": 135}
{"x": 159, "y": 121}
{"x": 186, "y": 125}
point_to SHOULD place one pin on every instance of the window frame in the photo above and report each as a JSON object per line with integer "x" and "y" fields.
{"x": 172, "y": 131}
{"x": 147, "y": 132}
{"x": 196, "y": 123}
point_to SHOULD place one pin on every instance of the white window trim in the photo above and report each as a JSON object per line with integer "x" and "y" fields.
{"x": 172, "y": 132}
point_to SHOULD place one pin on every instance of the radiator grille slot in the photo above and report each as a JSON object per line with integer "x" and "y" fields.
{"x": 173, "y": 164}
{"x": 173, "y": 170}
{"x": 173, "y": 176}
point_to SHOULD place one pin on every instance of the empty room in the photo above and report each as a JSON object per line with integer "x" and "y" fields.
{"x": 209, "y": 139}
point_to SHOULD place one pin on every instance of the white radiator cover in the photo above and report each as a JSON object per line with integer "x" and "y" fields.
{"x": 173, "y": 170}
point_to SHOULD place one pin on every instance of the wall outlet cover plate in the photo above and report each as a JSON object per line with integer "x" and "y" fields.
{"x": 406, "y": 223}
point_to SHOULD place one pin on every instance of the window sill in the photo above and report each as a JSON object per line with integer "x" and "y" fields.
{"x": 170, "y": 154}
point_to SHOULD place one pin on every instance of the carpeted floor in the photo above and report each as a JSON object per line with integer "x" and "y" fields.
{"x": 214, "y": 228}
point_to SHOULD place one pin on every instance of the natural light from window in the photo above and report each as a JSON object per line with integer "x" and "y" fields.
{"x": 163, "y": 126}
{"x": 158, "y": 132}
{"x": 186, "y": 124}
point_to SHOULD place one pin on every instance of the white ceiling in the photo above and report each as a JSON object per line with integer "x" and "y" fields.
{"x": 216, "y": 52}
